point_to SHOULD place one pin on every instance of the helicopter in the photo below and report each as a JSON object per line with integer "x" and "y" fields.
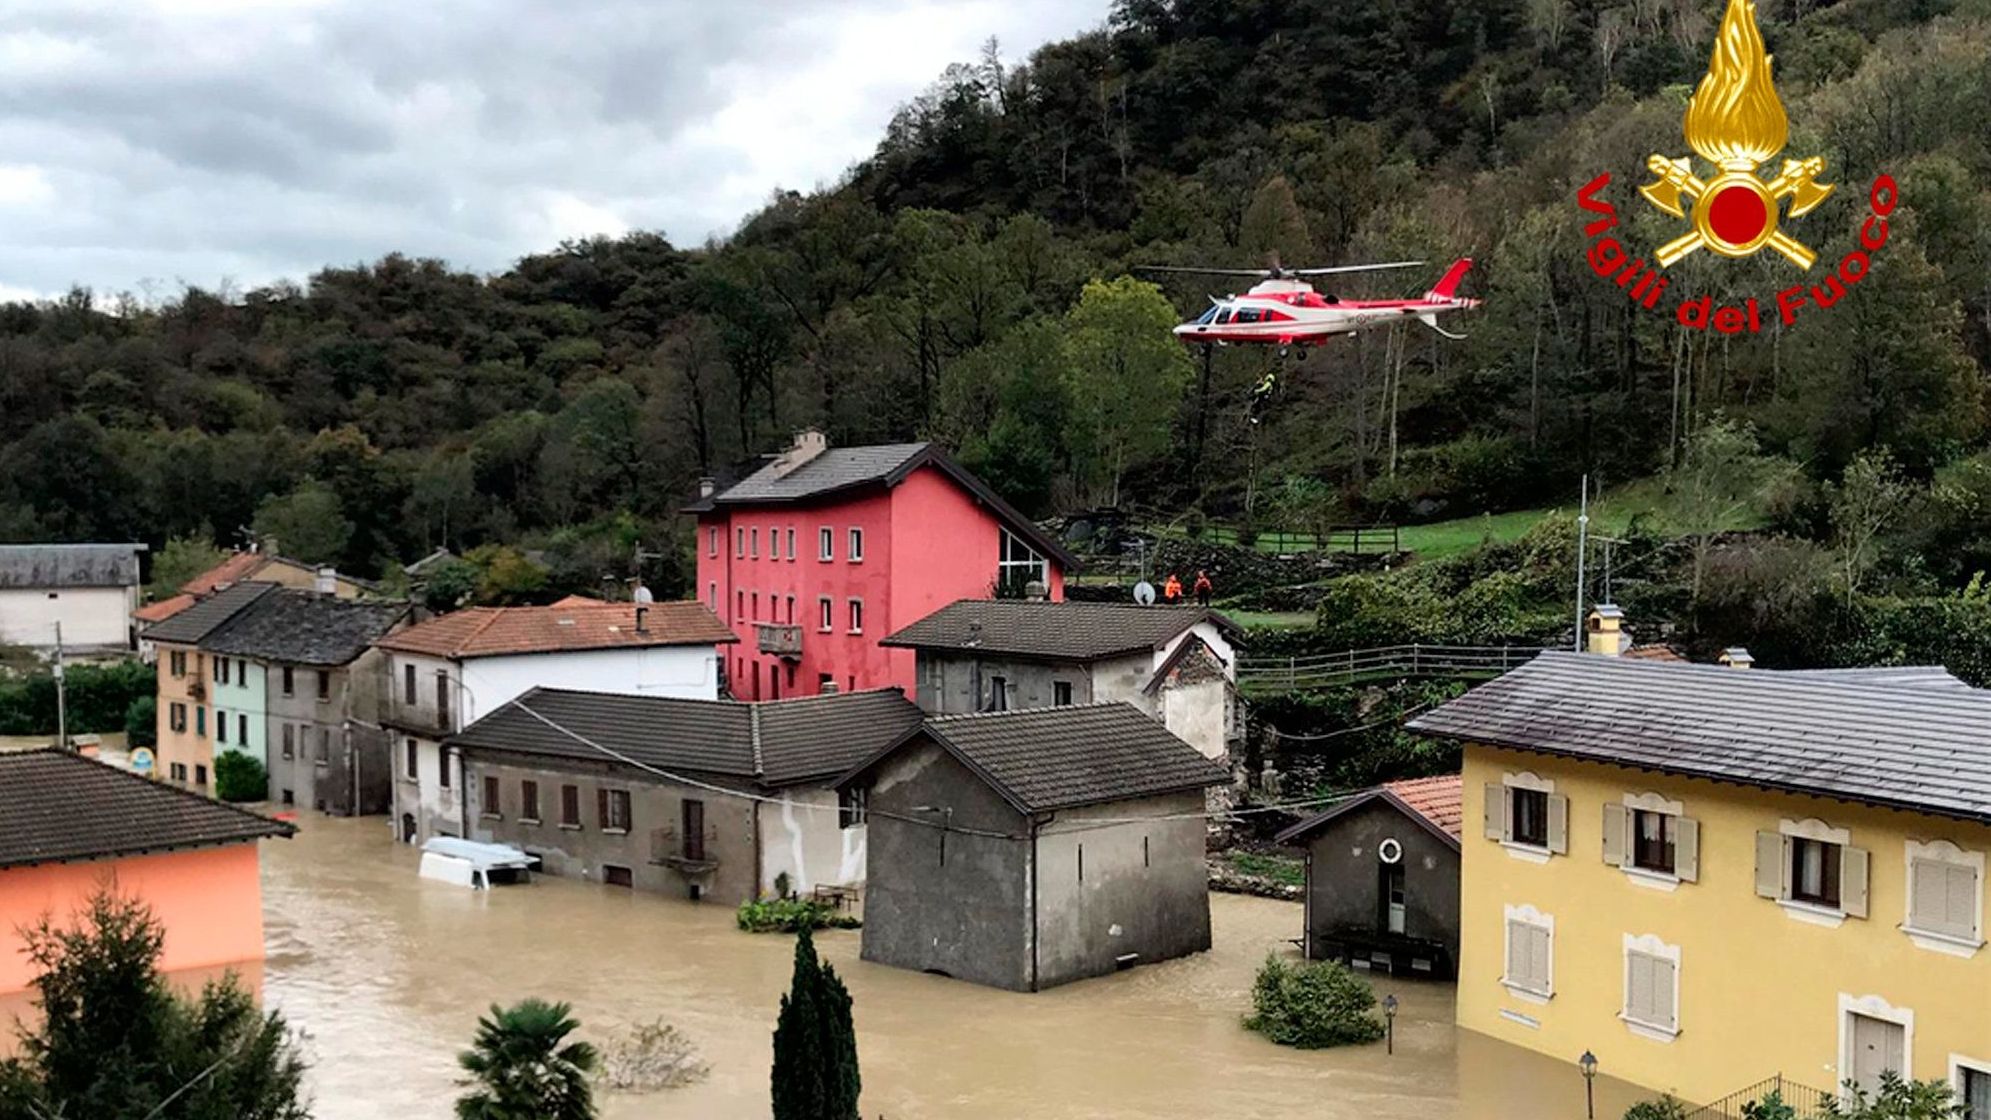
{"x": 1283, "y": 308}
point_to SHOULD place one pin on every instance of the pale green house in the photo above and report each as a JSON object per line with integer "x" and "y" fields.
{"x": 239, "y": 691}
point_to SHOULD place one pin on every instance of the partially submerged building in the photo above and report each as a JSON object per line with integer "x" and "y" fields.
{"x": 1383, "y": 878}
{"x": 701, "y": 799}
{"x": 70, "y": 825}
{"x": 1027, "y": 849}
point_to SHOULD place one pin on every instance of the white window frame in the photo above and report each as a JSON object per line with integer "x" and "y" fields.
{"x": 791, "y": 542}
{"x": 1529, "y": 780}
{"x": 712, "y": 541}
{"x": 1651, "y": 802}
{"x": 1958, "y": 1064}
{"x": 739, "y": 542}
{"x": 856, "y": 545}
{"x": 1528, "y": 916}
{"x": 855, "y": 611}
{"x": 825, "y": 614}
{"x": 825, "y": 543}
{"x": 1037, "y": 566}
{"x": 753, "y": 542}
{"x": 1649, "y": 945}
{"x": 1873, "y": 1007}
{"x": 1811, "y": 828}
{"x": 1944, "y": 852}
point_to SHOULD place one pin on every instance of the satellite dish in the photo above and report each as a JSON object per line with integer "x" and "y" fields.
{"x": 643, "y": 594}
{"x": 1144, "y": 593}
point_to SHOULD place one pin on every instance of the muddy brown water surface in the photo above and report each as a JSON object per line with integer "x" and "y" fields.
{"x": 387, "y": 973}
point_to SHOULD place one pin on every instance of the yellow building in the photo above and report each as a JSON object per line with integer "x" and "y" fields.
{"x": 1710, "y": 876}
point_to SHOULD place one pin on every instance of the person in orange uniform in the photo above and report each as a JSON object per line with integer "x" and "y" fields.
{"x": 1172, "y": 590}
{"x": 1203, "y": 588}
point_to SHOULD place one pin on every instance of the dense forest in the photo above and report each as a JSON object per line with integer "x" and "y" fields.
{"x": 969, "y": 282}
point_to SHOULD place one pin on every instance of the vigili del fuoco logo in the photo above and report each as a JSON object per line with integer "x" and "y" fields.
{"x": 1735, "y": 121}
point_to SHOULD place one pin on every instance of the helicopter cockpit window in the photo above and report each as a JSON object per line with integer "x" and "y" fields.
{"x": 1224, "y": 315}
{"x": 1248, "y": 315}
{"x": 1208, "y": 315}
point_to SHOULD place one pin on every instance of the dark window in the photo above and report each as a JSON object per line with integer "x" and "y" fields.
{"x": 1061, "y": 693}
{"x": 528, "y": 800}
{"x": 1224, "y": 316}
{"x": 200, "y": 774}
{"x": 490, "y": 796}
{"x": 289, "y": 684}
{"x": 200, "y": 722}
{"x": 1815, "y": 872}
{"x": 1247, "y": 315}
{"x": 221, "y": 665}
{"x": 442, "y": 699}
{"x": 324, "y": 746}
{"x": 1531, "y": 817}
{"x": 1081, "y": 863}
{"x": 178, "y": 717}
{"x": 852, "y": 802}
{"x": 289, "y": 741}
{"x": 242, "y": 729}
{"x": 856, "y": 545}
{"x": 825, "y": 544}
{"x": 442, "y": 767}
{"x": 220, "y": 726}
{"x": 408, "y": 684}
{"x": 289, "y": 798}
{"x": 1653, "y": 837}
{"x": 998, "y": 694}
{"x": 324, "y": 684}
{"x": 694, "y": 830}
{"x": 825, "y": 682}
{"x": 612, "y": 809}
{"x": 712, "y": 542}
{"x": 1389, "y": 898}
{"x": 570, "y": 805}
{"x": 1975, "y": 1093}
{"x": 825, "y": 615}
{"x": 414, "y": 764}
{"x": 616, "y": 876}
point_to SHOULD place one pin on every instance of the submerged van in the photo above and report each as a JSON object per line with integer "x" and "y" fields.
{"x": 470, "y": 863}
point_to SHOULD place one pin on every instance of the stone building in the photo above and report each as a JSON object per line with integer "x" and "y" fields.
{"x": 88, "y": 590}
{"x": 1177, "y": 664}
{"x": 1383, "y": 878}
{"x": 702, "y": 799}
{"x": 1027, "y": 849}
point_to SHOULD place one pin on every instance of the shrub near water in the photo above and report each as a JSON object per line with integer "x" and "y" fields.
{"x": 1312, "y": 1005}
{"x": 791, "y": 915}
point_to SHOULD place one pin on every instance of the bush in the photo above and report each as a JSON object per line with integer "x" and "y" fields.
{"x": 1312, "y": 1005}
{"x": 791, "y": 915}
{"x": 240, "y": 777}
{"x": 1663, "y": 1108}
{"x": 1896, "y": 1099}
{"x": 141, "y": 722}
{"x": 651, "y": 1056}
{"x": 99, "y": 697}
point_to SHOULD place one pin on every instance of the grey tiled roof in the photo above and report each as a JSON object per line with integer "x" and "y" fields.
{"x": 1054, "y": 631}
{"x": 304, "y": 627}
{"x": 69, "y": 565}
{"x": 195, "y": 623}
{"x": 775, "y": 743}
{"x": 837, "y": 468}
{"x": 60, "y": 806}
{"x": 1041, "y": 759}
{"x": 1895, "y": 742}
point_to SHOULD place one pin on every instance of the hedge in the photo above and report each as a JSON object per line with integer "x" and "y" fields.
{"x": 98, "y": 697}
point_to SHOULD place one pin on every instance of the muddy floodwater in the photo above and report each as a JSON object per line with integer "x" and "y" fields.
{"x": 387, "y": 973}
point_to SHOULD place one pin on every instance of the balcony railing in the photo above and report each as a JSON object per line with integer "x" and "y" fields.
{"x": 781, "y": 641}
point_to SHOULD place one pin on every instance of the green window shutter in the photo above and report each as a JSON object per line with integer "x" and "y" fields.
{"x": 1687, "y": 849}
{"x": 1558, "y": 824}
{"x": 1496, "y": 811}
{"x": 1616, "y": 821}
{"x": 1772, "y": 860}
{"x": 1853, "y": 881}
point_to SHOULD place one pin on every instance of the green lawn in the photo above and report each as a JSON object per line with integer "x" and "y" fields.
{"x": 1271, "y": 620}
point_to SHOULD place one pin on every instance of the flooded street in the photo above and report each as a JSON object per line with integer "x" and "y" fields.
{"x": 387, "y": 974}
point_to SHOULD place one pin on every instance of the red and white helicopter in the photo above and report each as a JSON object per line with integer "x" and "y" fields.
{"x": 1282, "y": 308}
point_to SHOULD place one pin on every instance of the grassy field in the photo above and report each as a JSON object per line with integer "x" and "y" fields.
{"x": 1273, "y": 620}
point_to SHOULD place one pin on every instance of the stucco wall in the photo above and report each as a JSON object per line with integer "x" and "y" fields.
{"x": 1199, "y": 714}
{"x": 802, "y": 836}
{"x": 946, "y": 900}
{"x": 190, "y": 747}
{"x": 209, "y": 900}
{"x": 656, "y": 816}
{"x": 948, "y": 682}
{"x": 1136, "y": 889}
{"x": 1345, "y": 878}
{"x": 1761, "y": 990}
{"x": 243, "y": 700}
{"x": 90, "y": 616}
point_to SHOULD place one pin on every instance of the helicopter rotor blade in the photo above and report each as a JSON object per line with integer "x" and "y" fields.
{"x": 1202, "y": 271}
{"x": 1354, "y": 268}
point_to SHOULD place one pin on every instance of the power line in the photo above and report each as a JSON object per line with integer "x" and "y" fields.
{"x": 1389, "y": 719}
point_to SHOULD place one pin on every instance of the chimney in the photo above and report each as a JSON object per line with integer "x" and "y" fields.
{"x": 1735, "y": 657}
{"x": 642, "y": 613}
{"x": 1035, "y": 591}
{"x": 707, "y": 485}
{"x": 1606, "y": 632}
{"x": 327, "y": 582}
{"x": 828, "y": 688}
{"x": 809, "y": 443}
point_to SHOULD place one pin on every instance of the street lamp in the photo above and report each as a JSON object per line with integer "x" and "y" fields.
{"x": 1588, "y": 1063}
{"x": 1389, "y": 1023}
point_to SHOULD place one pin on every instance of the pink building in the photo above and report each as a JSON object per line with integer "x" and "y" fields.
{"x": 823, "y": 551}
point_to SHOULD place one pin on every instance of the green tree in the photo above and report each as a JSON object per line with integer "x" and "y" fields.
{"x": 522, "y": 1067}
{"x": 1896, "y": 1098}
{"x": 1312, "y": 1005}
{"x": 180, "y": 560}
{"x": 240, "y": 777}
{"x": 1870, "y": 496}
{"x": 308, "y": 524}
{"x": 116, "y": 1042}
{"x": 141, "y": 722}
{"x": 1723, "y": 474}
{"x": 815, "y": 1044}
{"x": 1127, "y": 375}
{"x": 1274, "y": 228}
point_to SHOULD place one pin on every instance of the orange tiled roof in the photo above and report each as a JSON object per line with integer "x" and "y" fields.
{"x": 492, "y": 631}
{"x": 1654, "y": 653}
{"x": 164, "y": 608}
{"x": 576, "y": 601}
{"x": 1434, "y": 799}
{"x": 238, "y": 567}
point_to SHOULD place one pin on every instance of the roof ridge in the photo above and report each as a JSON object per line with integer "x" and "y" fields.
{"x": 753, "y": 737}
{"x": 177, "y": 791}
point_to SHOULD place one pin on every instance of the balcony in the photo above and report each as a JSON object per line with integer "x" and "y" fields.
{"x": 781, "y": 641}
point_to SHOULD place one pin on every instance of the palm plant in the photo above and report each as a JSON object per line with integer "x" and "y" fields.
{"x": 520, "y": 1070}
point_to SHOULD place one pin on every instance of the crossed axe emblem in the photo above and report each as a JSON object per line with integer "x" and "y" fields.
{"x": 1735, "y": 213}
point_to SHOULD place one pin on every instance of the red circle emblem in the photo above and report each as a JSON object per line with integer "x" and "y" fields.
{"x": 1737, "y": 215}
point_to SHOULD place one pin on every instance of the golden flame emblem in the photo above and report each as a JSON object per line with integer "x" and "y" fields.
{"x": 1736, "y": 122}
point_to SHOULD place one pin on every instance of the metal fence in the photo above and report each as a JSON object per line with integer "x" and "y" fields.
{"x": 1328, "y": 670}
{"x": 1800, "y": 1102}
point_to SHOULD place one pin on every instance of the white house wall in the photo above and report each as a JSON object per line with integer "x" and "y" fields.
{"x": 679, "y": 672}
{"x": 800, "y": 836}
{"x": 90, "y": 616}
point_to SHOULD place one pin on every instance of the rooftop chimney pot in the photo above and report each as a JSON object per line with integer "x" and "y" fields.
{"x": 1736, "y": 657}
{"x": 808, "y": 444}
{"x": 326, "y": 582}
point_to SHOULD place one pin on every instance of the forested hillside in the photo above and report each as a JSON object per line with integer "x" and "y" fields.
{"x": 965, "y": 283}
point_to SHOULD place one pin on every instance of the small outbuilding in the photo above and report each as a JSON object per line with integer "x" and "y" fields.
{"x": 1383, "y": 878}
{"x": 1027, "y": 849}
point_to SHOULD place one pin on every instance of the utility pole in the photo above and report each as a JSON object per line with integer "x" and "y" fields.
{"x": 1582, "y": 541}
{"x": 61, "y": 697}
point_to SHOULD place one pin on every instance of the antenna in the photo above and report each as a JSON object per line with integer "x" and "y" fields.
{"x": 1582, "y": 540}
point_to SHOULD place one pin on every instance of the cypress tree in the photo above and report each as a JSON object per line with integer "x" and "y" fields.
{"x": 815, "y": 1044}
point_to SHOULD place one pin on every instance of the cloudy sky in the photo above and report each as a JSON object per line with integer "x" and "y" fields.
{"x": 195, "y": 141}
